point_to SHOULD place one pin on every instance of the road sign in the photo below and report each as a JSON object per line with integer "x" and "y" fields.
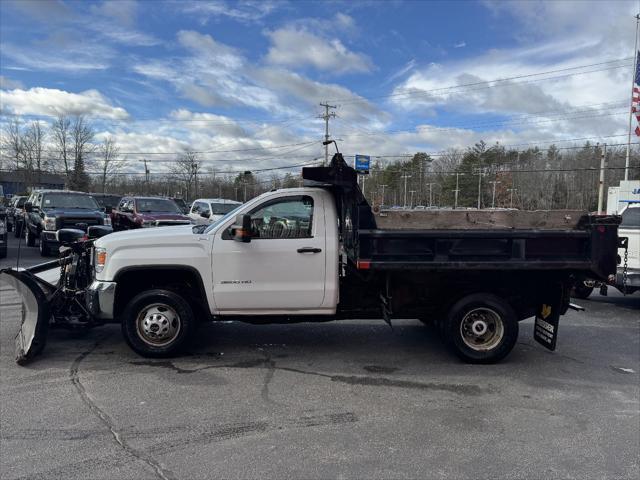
{"x": 362, "y": 164}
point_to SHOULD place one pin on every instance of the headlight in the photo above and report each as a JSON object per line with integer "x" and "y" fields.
{"x": 106, "y": 221}
{"x": 100, "y": 258}
{"x": 49, "y": 223}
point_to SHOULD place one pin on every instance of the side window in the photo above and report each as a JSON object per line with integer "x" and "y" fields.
{"x": 205, "y": 209}
{"x": 289, "y": 217}
{"x": 195, "y": 208}
{"x": 121, "y": 204}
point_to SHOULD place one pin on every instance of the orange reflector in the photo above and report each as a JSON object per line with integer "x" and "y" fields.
{"x": 363, "y": 264}
{"x": 101, "y": 257}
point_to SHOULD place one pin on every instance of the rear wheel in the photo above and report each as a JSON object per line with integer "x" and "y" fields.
{"x": 158, "y": 323}
{"x": 481, "y": 328}
{"x": 30, "y": 238}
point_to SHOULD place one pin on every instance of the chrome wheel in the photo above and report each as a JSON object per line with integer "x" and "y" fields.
{"x": 482, "y": 329}
{"x": 158, "y": 324}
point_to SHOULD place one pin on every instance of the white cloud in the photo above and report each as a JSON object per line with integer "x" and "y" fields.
{"x": 53, "y": 102}
{"x": 8, "y": 84}
{"x": 81, "y": 57}
{"x": 460, "y": 44}
{"x": 296, "y": 47}
{"x": 242, "y": 11}
{"x": 208, "y": 122}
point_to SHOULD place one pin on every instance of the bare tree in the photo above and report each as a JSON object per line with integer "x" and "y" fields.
{"x": 186, "y": 169}
{"x": 33, "y": 140}
{"x": 109, "y": 162}
{"x": 61, "y": 135}
{"x": 13, "y": 144}
{"x": 81, "y": 136}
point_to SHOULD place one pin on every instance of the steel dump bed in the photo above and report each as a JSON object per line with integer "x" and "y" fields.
{"x": 564, "y": 240}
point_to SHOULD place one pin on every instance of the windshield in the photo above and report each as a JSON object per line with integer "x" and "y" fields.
{"x": 107, "y": 200}
{"x": 68, "y": 200}
{"x": 222, "y": 208}
{"x": 21, "y": 201}
{"x": 158, "y": 205}
{"x": 631, "y": 218}
{"x": 223, "y": 219}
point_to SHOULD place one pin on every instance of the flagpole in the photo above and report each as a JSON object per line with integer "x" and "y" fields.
{"x": 633, "y": 81}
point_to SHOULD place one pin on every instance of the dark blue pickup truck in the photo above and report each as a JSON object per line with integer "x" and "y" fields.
{"x": 47, "y": 211}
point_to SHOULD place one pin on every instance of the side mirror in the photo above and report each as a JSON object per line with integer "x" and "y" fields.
{"x": 97, "y": 231}
{"x": 205, "y": 214}
{"x": 28, "y": 207}
{"x": 241, "y": 230}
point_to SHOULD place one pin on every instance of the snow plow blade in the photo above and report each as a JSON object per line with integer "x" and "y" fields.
{"x": 34, "y": 313}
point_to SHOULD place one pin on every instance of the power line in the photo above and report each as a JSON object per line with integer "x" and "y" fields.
{"x": 504, "y": 79}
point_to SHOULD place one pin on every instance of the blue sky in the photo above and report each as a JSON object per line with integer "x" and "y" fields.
{"x": 170, "y": 76}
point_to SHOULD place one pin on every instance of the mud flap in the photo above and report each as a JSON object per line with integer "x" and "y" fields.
{"x": 555, "y": 304}
{"x": 34, "y": 314}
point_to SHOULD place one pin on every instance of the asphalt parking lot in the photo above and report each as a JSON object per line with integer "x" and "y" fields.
{"x": 349, "y": 399}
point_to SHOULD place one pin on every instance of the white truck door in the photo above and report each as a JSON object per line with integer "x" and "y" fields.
{"x": 282, "y": 268}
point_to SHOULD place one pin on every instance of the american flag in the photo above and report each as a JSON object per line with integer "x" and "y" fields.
{"x": 635, "y": 99}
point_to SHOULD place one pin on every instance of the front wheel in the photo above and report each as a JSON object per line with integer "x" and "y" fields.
{"x": 29, "y": 237}
{"x": 481, "y": 328}
{"x": 158, "y": 323}
{"x": 45, "y": 251}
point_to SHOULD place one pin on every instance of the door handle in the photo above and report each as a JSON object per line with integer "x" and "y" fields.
{"x": 309, "y": 250}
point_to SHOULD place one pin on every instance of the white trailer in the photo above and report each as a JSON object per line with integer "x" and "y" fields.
{"x": 620, "y": 197}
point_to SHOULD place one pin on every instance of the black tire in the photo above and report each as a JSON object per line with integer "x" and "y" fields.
{"x": 580, "y": 290}
{"x": 44, "y": 248}
{"x": 30, "y": 238}
{"x": 478, "y": 311}
{"x": 17, "y": 232}
{"x": 3, "y": 253}
{"x": 139, "y": 311}
{"x": 9, "y": 227}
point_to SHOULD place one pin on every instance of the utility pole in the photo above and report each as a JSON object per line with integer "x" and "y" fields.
{"x": 603, "y": 166}
{"x": 480, "y": 171}
{"x": 382, "y": 203}
{"x": 146, "y": 177}
{"x": 431, "y": 184}
{"x": 411, "y": 202}
{"x": 631, "y": 112}
{"x": 511, "y": 190}
{"x": 493, "y": 196}
{"x": 405, "y": 176}
{"x": 194, "y": 169}
{"x": 326, "y": 116}
{"x": 456, "y": 191}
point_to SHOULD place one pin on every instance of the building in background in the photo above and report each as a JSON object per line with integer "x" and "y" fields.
{"x": 22, "y": 181}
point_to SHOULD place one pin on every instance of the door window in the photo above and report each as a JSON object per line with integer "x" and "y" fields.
{"x": 289, "y": 217}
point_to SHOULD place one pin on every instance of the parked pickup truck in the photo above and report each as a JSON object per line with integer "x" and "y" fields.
{"x": 47, "y": 211}
{"x": 144, "y": 212}
{"x": 317, "y": 253}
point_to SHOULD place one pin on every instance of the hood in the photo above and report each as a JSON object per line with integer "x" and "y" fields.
{"x": 150, "y": 216}
{"x": 145, "y": 236}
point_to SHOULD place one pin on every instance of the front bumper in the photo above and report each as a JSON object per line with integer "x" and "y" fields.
{"x": 101, "y": 298}
{"x": 49, "y": 236}
{"x": 633, "y": 277}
